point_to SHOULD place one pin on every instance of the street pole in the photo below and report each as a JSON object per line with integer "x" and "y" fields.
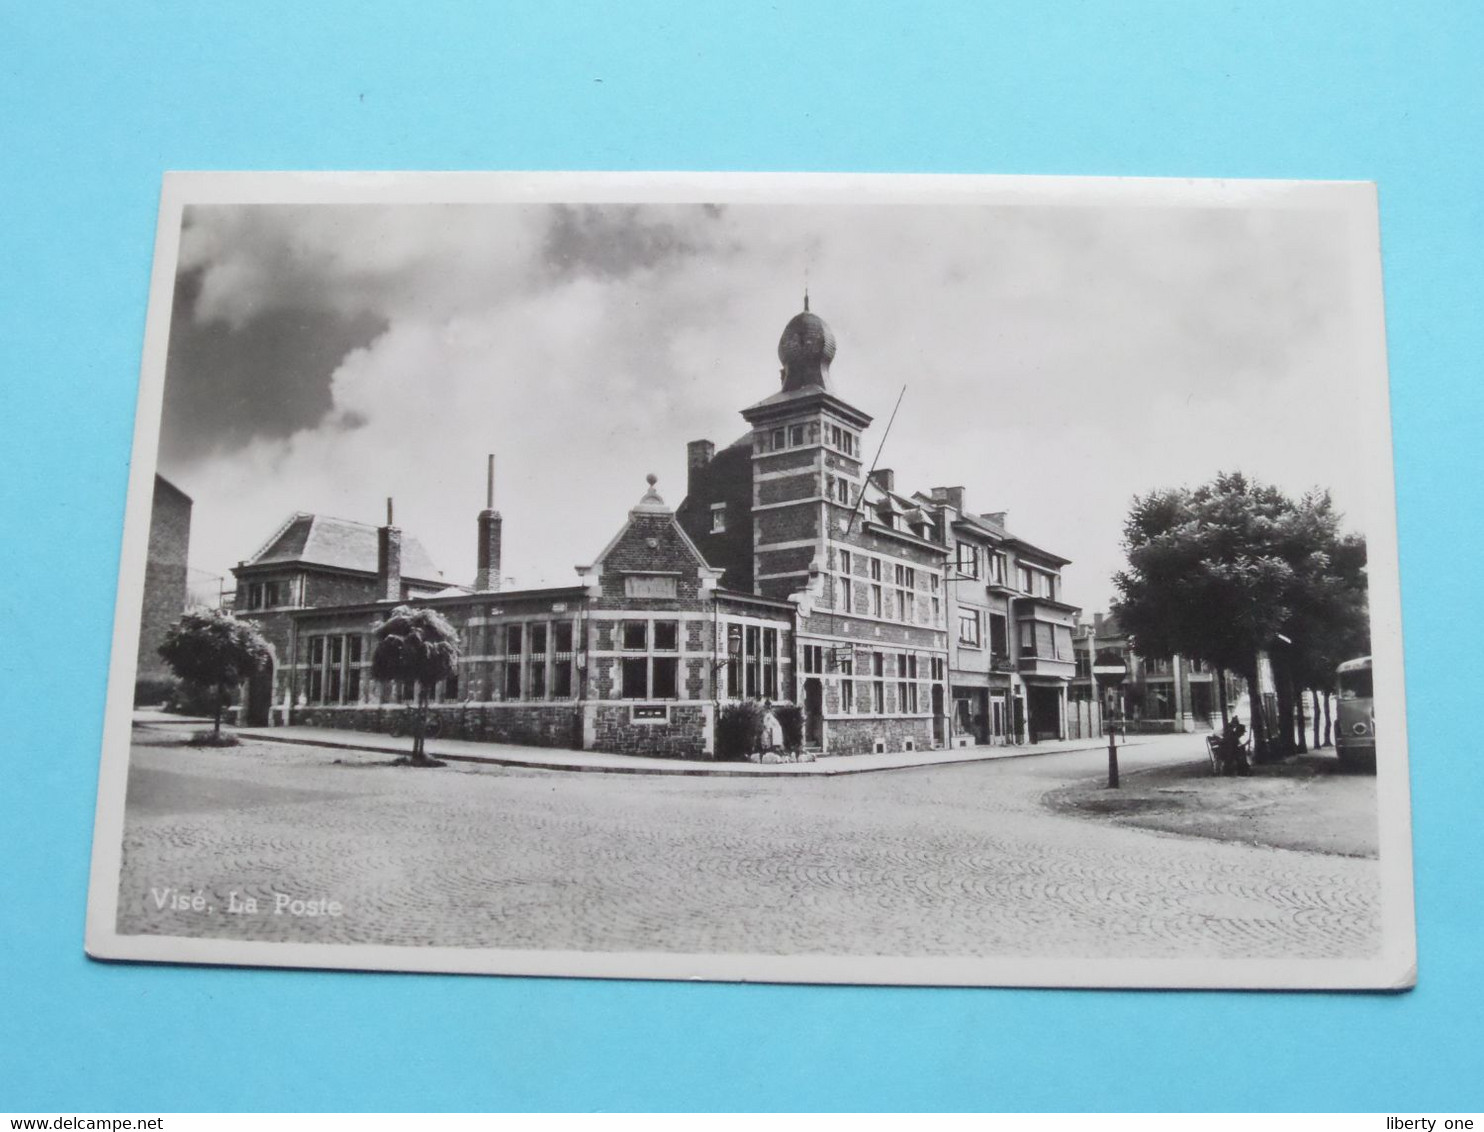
{"x": 1112, "y": 759}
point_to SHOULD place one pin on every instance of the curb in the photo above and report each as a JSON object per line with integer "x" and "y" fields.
{"x": 682, "y": 768}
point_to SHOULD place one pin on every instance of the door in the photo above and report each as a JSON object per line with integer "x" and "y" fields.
{"x": 813, "y": 712}
{"x": 940, "y": 728}
{"x": 260, "y": 697}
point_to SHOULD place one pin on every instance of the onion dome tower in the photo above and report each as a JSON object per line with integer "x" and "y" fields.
{"x": 806, "y": 350}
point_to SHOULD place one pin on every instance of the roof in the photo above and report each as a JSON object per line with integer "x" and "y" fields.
{"x": 339, "y": 544}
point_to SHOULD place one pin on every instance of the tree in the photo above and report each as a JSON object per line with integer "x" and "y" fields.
{"x": 214, "y": 648}
{"x": 1227, "y": 571}
{"x": 418, "y": 647}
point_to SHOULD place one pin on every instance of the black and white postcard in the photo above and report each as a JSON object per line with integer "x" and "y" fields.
{"x": 869, "y": 579}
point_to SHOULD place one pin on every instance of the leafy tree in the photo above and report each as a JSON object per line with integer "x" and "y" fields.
{"x": 419, "y": 647}
{"x": 1226, "y": 571}
{"x": 214, "y": 648}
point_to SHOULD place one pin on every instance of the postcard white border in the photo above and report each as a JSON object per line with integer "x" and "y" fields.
{"x": 1394, "y": 968}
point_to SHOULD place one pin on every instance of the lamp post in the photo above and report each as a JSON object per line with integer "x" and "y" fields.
{"x": 1110, "y": 670}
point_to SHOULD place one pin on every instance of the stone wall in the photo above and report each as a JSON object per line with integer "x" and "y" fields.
{"x": 530, "y": 725}
{"x": 860, "y": 736}
{"x": 687, "y": 733}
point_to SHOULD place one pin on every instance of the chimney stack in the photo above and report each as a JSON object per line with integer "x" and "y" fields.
{"x": 388, "y": 559}
{"x": 698, "y": 457}
{"x": 952, "y": 496}
{"x": 885, "y": 479}
{"x": 487, "y": 580}
{"x": 995, "y": 517}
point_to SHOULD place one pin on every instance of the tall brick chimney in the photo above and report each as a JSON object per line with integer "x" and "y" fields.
{"x": 952, "y": 496}
{"x": 698, "y": 457}
{"x": 487, "y": 579}
{"x": 388, "y": 559}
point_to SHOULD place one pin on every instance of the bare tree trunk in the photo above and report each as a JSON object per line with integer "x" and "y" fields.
{"x": 1314, "y": 700}
{"x": 1328, "y": 732}
{"x": 1221, "y": 695}
{"x": 1283, "y": 687}
{"x": 216, "y": 731}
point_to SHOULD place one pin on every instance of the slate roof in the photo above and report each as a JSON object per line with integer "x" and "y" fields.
{"x": 340, "y": 544}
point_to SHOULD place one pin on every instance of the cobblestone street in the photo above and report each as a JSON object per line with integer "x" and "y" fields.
{"x": 940, "y": 861}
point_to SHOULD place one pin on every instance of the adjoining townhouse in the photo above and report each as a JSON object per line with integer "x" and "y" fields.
{"x": 1157, "y": 694}
{"x": 1010, "y": 640}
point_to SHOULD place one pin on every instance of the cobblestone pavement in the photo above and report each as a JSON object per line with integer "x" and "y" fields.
{"x": 942, "y": 861}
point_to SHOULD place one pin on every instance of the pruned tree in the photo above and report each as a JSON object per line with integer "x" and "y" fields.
{"x": 215, "y": 649}
{"x": 1234, "y": 569}
{"x": 418, "y": 647}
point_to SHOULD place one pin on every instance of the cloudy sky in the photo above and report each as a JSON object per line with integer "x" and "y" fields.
{"x": 1057, "y": 360}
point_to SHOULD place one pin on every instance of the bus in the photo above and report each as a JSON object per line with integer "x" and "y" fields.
{"x": 1355, "y": 729}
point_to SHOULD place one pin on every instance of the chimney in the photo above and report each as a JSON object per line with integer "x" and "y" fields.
{"x": 698, "y": 457}
{"x": 388, "y": 559}
{"x": 885, "y": 479}
{"x": 1097, "y": 624}
{"x": 487, "y": 580}
{"x": 995, "y": 517}
{"x": 952, "y": 496}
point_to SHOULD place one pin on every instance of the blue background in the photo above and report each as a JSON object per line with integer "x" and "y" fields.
{"x": 96, "y": 101}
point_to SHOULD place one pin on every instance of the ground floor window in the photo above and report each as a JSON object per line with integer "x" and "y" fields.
{"x": 334, "y": 675}
{"x": 652, "y": 675}
{"x": 752, "y": 661}
{"x": 536, "y": 660}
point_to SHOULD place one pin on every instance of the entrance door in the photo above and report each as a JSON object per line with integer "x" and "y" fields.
{"x": 940, "y": 737}
{"x": 813, "y": 713}
{"x": 260, "y": 697}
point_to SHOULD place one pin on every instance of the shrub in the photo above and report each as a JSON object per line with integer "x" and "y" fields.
{"x": 191, "y": 698}
{"x": 739, "y": 730}
{"x": 212, "y": 739}
{"x": 152, "y": 690}
{"x": 791, "y": 719}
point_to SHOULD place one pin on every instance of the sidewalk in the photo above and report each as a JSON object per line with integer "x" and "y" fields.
{"x": 548, "y": 758}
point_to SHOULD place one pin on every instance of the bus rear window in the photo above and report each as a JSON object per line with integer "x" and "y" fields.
{"x": 1355, "y": 685}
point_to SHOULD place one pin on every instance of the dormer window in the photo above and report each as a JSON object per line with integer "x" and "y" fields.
{"x": 718, "y": 518}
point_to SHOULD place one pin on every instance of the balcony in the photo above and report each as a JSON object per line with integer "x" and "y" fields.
{"x": 1046, "y": 666}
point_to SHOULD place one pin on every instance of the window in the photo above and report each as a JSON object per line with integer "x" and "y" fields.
{"x": 752, "y": 662}
{"x": 906, "y": 683}
{"x": 718, "y": 518}
{"x": 635, "y": 678}
{"x": 839, "y": 490}
{"x": 813, "y": 659}
{"x": 561, "y": 661}
{"x": 875, "y": 587}
{"x": 1025, "y": 579}
{"x": 1045, "y": 585}
{"x": 997, "y": 568}
{"x": 847, "y": 683}
{"x": 966, "y": 562}
{"x": 878, "y": 683}
{"x": 778, "y": 440}
{"x": 796, "y": 435}
{"x": 1061, "y": 636}
{"x": 842, "y": 585}
{"x": 937, "y": 668}
{"x": 969, "y": 628}
{"x": 1038, "y": 639}
{"x": 652, "y": 676}
{"x": 999, "y": 640}
{"x": 905, "y": 578}
{"x": 835, "y": 436}
{"x": 536, "y": 680}
{"x": 514, "y": 636}
{"x": 334, "y": 675}
{"x": 770, "y": 664}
